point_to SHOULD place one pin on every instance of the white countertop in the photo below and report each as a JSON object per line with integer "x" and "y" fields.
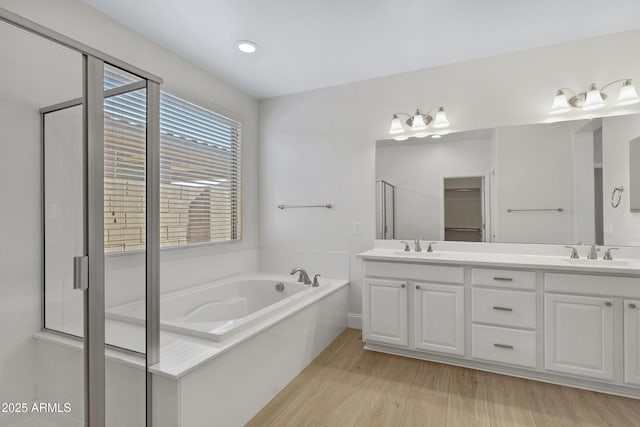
{"x": 487, "y": 259}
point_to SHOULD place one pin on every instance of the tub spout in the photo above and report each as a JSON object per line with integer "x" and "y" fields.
{"x": 303, "y": 277}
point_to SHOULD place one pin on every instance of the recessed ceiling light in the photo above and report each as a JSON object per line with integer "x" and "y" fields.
{"x": 246, "y": 46}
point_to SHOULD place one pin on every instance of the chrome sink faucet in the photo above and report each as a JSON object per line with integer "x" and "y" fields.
{"x": 303, "y": 277}
{"x": 574, "y": 252}
{"x": 417, "y": 245}
{"x": 593, "y": 252}
{"x": 406, "y": 246}
{"x": 607, "y": 255}
{"x": 430, "y": 247}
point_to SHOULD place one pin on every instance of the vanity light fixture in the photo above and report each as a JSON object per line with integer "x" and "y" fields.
{"x": 418, "y": 122}
{"x": 594, "y": 98}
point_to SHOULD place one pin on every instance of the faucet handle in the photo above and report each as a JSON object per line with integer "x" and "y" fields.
{"x": 574, "y": 252}
{"x": 429, "y": 248}
{"x": 316, "y": 283}
{"x": 417, "y": 245}
{"x": 406, "y": 246}
{"x": 607, "y": 254}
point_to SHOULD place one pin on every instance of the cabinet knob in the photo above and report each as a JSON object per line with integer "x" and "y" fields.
{"x": 608, "y": 303}
{"x": 633, "y": 306}
{"x": 403, "y": 285}
{"x": 417, "y": 286}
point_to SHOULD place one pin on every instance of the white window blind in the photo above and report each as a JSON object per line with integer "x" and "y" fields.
{"x": 199, "y": 174}
{"x": 199, "y": 178}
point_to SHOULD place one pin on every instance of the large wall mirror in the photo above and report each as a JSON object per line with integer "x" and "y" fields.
{"x": 566, "y": 183}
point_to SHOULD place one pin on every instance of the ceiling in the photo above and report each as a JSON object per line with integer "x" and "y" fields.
{"x": 307, "y": 44}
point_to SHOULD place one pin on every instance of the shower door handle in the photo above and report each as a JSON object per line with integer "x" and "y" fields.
{"x": 81, "y": 272}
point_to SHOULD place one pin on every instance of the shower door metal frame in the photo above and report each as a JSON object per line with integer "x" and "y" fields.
{"x": 93, "y": 171}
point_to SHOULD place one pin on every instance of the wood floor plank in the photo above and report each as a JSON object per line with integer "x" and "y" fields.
{"x": 388, "y": 400}
{"x": 348, "y": 386}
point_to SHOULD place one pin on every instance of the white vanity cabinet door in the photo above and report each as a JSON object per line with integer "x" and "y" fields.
{"x": 579, "y": 335}
{"x": 439, "y": 318}
{"x": 385, "y": 312}
{"x": 632, "y": 342}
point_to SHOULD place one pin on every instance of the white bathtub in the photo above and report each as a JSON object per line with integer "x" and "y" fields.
{"x": 219, "y": 309}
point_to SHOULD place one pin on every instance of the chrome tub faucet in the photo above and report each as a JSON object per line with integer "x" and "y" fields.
{"x": 303, "y": 277}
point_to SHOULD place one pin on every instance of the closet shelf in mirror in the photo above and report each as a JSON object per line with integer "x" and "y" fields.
{"x": 462, "y": 190}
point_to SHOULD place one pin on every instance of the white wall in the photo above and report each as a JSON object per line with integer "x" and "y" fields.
{"x": 418, "y": 172}
{"x": 319, "y": 146}
{"x": 20, "y": 259}
{"x": 621, "y": 226}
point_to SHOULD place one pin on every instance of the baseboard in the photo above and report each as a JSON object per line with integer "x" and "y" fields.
{"x": 354, "y": 320}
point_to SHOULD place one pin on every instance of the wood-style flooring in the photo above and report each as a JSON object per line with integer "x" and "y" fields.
{"x": 348, "y": 386}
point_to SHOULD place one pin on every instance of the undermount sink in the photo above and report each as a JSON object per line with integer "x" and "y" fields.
{"x": 597, "y": 262}
{"x": 418, "y": 254}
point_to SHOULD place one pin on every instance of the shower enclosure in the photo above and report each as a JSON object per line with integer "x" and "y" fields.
{"x": 385, "y": 210}
{"x": 63, "y": 106}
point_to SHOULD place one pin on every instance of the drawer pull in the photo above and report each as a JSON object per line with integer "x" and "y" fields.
{"x": 633, "y": 306}
{"x": 403, "y": 285}
{"x": 503, "y": 279}
{"x": 502, "y": 308}
{"x": 417, "y": 286}
{"x": 608, "y": 304}
{"x": 508, "y": 347}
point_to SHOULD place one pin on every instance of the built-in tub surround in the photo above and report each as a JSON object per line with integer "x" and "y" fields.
{"x": 216, "y": 310}
{"x": 525, "y": 310}
{"x": 226, "y": 378}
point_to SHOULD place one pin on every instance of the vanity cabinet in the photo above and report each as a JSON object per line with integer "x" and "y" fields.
{"x": 568, "y": 325}
{"x": 579, "y": 335}
{"x": 385, "y": 312}
{"x": 439, "y": 318}
{"x": 632, "y": 342}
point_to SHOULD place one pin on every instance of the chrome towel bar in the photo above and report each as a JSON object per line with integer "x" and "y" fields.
{"x": 327, "y": 206}
{"x": 536, "y": 210}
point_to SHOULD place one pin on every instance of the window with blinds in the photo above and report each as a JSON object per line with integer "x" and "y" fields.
{"x": 199, "y": 174}
{"x": 199, "y": 177}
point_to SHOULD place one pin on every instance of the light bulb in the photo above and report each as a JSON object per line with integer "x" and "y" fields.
{"x": 396, "y": 126}
{"x": 560, "y": 103}
{"x": 628, "y": 94}
{"x": 418, "y": 122}
{"x": 421, "y": 135}
{"x": 441, "y": 119}
{"x": 436, "y": 136}
{"x": 401, "y": 138}
{"x": 594, "y": 99}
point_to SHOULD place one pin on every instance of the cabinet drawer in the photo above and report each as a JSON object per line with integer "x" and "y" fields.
{"x": 504, "y": 345}
{"x": 503, "y": 278}
{"x": 505, "y": 308}
{"x": 420, "y": 272}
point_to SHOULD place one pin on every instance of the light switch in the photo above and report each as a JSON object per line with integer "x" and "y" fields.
{"x": 357, "y": 228}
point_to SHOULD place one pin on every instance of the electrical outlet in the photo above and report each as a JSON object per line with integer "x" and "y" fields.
{"x": 357, "y": 228}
